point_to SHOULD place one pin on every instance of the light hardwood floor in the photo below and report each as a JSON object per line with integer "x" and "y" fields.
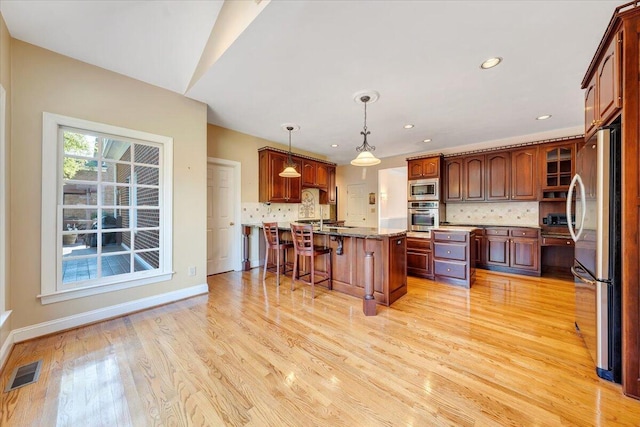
{"x": 251, "y": 354}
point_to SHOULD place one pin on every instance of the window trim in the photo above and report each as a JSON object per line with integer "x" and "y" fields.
{"x": 4, "y": 313}
{"x": 50, "y": 240}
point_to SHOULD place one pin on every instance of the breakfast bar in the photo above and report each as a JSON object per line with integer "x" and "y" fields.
{"x": 359, "y": 255}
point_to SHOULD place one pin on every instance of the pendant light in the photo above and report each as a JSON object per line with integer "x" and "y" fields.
{"x": 290, "y": 167}
{"x": 366, "y": 157}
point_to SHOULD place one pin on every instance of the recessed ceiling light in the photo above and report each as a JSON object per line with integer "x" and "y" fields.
{"x": 408, "y": 126}
{"x": 426, "y": 140}
{"x": 334, "y": 145}
{"x": 544, "y": 117}
{"x": 490, "y": 63}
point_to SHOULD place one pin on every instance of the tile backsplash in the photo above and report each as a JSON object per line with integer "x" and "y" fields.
{"x": 511, "y": 213}
{"x": 253, "y": 213}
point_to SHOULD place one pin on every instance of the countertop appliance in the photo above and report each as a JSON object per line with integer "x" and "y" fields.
{"x": 423, "y": 216}
{"x": 558, "y": 220}
{"x": 597, "y": 236}
{"x": 423, "y": 189}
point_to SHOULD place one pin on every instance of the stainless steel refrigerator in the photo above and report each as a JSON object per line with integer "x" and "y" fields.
{"x": 597, "y": 264}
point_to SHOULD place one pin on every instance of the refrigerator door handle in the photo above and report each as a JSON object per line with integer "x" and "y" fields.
{"x": 576, "y": 180}
{"x": 577, "y": 275}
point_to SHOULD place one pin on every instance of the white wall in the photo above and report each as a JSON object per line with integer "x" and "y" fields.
{"x": 392, "y": 194}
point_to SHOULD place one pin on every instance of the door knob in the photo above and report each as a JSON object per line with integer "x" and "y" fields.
{"x": 232, "y": 223}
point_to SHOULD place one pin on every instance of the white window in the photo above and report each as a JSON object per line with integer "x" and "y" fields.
{"x": 106, "y": 208}
{"x": 4, "y": 314}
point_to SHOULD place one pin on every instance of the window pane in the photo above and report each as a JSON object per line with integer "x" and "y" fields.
{"x": 147, "y": 260}
{"x": 79, "y": 170}
{"x": 148, "y": 218}
{"x": 148, "y": 239}
{"x": 124, "y": 216}
{"x": 146, "y": 154}
{"x": 79, "y": 269}
{"x": 119, "y": 173}
{"x": 115, "y": 195}
{"x": 116, "y": 241}
{"x": 117, "y": 150}
{"x": 147, "y": 196}
{"x": 78, "y": 218}
{"x": 79, "y": 194}
{"x": 79, "y": 144}
{"x": 116, "y": 264}
{"x": 146, "y": 175}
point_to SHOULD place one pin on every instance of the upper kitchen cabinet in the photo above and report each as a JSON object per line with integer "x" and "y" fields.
{"x": 557, "y": 166}
{"x": 603, "y": 96}
{"x": 453, "y": 181}
{"x": 315, "y": 174}
{"x": 272, "y": 187}
{"x": 498, "y": 172}
{"x": 524, "y": 176}
{"x": 465, "y": 179}
{"x": 428, "y": 167}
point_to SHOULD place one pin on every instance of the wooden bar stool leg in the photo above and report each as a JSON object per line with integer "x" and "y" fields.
{"x": 266, "y": 261}
{"x": 278, "y": 267}
{"x": 294, "y": 274}
{"x": 313, "y": 277}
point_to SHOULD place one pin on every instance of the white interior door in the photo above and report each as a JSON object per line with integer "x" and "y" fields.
{"x": 356, "y": 205}
{"x": 221, "y": 244}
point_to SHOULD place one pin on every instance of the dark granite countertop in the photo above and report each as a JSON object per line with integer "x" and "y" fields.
{"x": 362, "y": 232}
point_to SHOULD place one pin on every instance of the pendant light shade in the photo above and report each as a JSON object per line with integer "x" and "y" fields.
{"x": 366, "y": 157}
{"x": 290, "y": 168}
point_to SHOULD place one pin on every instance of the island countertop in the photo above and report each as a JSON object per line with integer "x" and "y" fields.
{"x": 361, "y": 232}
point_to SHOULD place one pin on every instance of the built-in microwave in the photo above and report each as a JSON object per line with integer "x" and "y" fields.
{"x": 423, "y": 189}
{"x": 423, "y": 216}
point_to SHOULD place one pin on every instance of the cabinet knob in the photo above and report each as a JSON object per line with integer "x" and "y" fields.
{"x": 523, "y": 233}
{"x": 568, "y": 242}
{"x": 448, "y": 252}
{"x": 448, "y": 237}
{"x": 448, "y": 269}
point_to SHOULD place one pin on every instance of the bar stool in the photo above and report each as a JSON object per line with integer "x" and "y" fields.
{"x": 303, "y": 246}
{"x": 272, "y": 239}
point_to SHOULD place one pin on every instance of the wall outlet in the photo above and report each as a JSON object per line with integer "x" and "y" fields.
{"x": 191, "y": 271}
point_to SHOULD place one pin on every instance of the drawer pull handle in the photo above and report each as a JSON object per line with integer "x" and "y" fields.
{"x": 448, "y": 237}
{"x": 568, "y": 243}
{"x": 448, "y": 269}
{"x": 523, "y": 233}
{"x": 448, "y": 252}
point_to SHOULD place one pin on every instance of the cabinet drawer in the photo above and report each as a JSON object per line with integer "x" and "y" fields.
{"x": 524, "y": 232}
{"x": 556, "y": 241}
{"x": 444, "y": 236}
{"x": 450, "y": 269}
{"x": 448, "y": 251}
{"x": 423, "y": 244}
{"x": 496, "y": 231}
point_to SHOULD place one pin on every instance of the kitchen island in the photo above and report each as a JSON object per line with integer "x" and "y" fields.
{"x": 359, "y": 255}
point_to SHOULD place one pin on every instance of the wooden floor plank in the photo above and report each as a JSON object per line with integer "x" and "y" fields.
{"x": 250, "y": 353}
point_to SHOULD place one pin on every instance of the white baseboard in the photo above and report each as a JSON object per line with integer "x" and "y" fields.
{"x": 5, "y": 350}
{"x": 70, "y": 322}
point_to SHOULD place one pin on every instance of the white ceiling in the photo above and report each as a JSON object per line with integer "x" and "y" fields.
{"x": 302, "y": 62}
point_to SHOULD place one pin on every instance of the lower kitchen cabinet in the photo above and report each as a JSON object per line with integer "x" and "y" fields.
{"x": 454, "y": 256}
{"x": 419, "y": 257}
{"x": 513, "y": 250}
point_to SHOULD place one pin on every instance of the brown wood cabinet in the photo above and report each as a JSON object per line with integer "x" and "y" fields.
{"x": 454, "y": 256}
{"x": 496, "y": 176}
{"x": 524, "y": 174}
{"x": 479, "y": 249}
{"x": 428, "y": 167}
{"x": 513, "y": 250}
{"x": 315, "y": 175}
{"x": 453, "y": 179}
{"x": 419, "y": 257}
{"x": 498, "y": 172}
{"x": 603, "y": 95}
{"x": 272, "y": 187}
{"x": 557, "y": 166}
{"x": 473, "y": 178}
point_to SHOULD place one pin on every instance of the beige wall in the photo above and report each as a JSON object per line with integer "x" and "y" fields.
{"x": 228, "y": 144}
{"x": 5, "y": 81}
{"x": 45, "y": 81}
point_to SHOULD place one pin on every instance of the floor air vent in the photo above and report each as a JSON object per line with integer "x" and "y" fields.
{"x": 24, "y": 375}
